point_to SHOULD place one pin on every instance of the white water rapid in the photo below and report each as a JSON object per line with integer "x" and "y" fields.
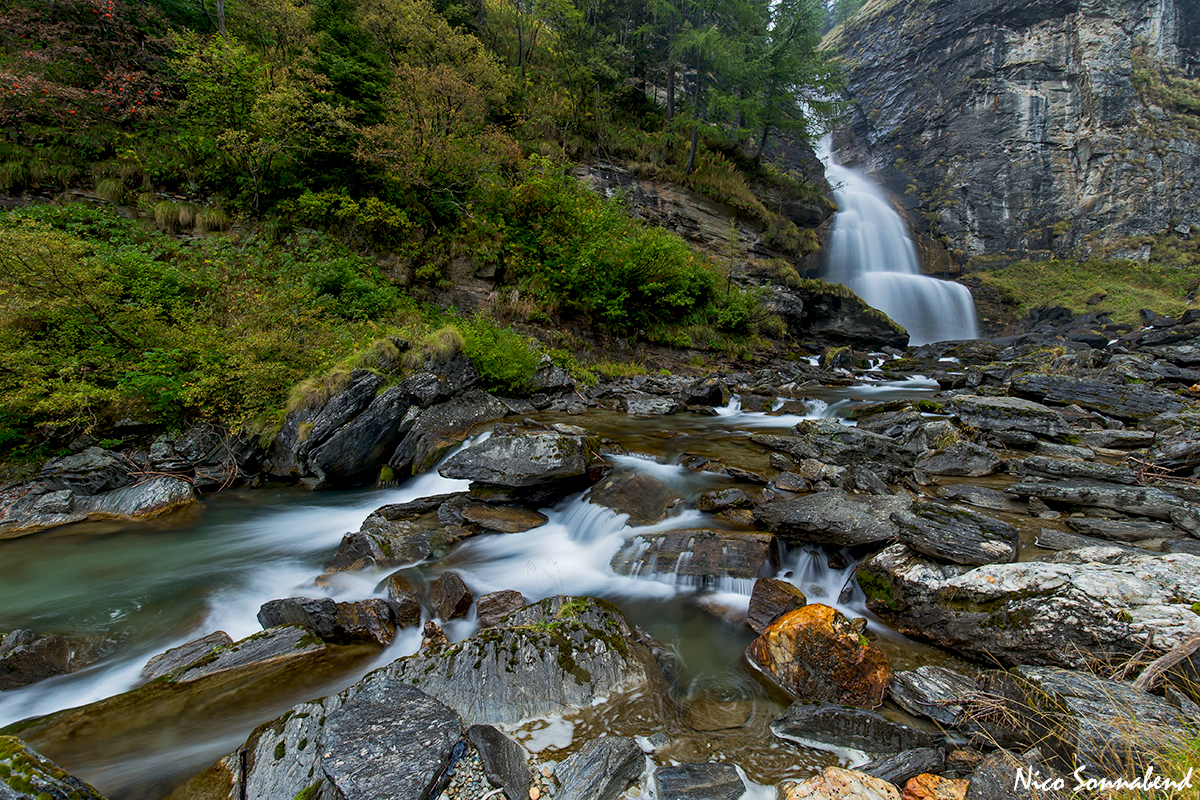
{"x": 869, "y": 251}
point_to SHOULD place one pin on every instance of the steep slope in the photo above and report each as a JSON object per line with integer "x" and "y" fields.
{"x": 1027, "y": 126}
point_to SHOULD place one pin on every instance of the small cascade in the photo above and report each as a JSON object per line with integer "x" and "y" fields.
{"x": 870, "y": 252}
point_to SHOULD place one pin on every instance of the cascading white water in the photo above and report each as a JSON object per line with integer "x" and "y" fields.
{"x": 869, "y": 251}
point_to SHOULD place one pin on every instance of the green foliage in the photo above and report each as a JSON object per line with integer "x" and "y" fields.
{"x": 506, "y": 361}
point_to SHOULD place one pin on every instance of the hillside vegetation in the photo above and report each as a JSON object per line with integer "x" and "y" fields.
{"x": 272, "y": 186}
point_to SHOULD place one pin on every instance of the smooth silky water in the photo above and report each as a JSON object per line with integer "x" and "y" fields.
{"x": 134, "y": 591}
{"x": 869, "y": 251}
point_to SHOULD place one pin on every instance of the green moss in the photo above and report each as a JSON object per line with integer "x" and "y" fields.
{"x": 309, "y": 792}
{"x": 876, "y": 588}
{"x": 1196, "y": 608}
{"x": 280, "y": 749}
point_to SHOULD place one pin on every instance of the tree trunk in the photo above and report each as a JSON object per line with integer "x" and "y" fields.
{"x": 762, "y": 145}
{"x": 220, "y": 17}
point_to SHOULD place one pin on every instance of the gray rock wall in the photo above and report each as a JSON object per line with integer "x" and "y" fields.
{"x": 1019, "y": 127}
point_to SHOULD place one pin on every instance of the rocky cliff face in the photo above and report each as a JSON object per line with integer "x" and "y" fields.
{"x": 1035, "y": 125}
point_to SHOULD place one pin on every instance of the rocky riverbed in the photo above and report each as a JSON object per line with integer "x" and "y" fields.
{"x": 914, "y": 587}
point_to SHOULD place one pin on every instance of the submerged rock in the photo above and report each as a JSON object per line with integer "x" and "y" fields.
{"x": 816, "y": 654}
{"x": 560, "y": 653}
{"x": 856, "y": 733}
{"x": 699, "y": 782}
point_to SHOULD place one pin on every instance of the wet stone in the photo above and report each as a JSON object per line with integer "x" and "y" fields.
{"x": 697, "y": 556}
{"x": 492, "y": 607}
{"x": 171, "y": 660}
{"x": 450, "y": 597}
{"x": 770, "y": 599}
{"x": 646, "y": 499}
{"x": 864, "y": 734}
{"x": 600, "y": 770}
{"x": 26, "y": 774}
{"x": 704, "y": 712}
{"x": 503, "y": 760}
{"x": 835, "y": 783}
{"x": 898, "y": 769}
{"x": 503, "y": 519}
{"x": 931, "y": 691}
{"x": 699, "y": 782}
{"x": 957, "y": 534}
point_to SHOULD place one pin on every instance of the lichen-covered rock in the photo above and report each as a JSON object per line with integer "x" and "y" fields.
{"x": 171, "y": 660}
{"x": 26, "y": 774}
{"x": 555, "y": 655}
{"x": 934, "y": 787}
{"x": 437, "y": 429}
{"x": 835, "y": 783}
{"x": 1128, "y": 401}
{"x": 830, "y": 442}
{"x": 816, "y": 654}
{"x": 92, "y": 471}
{"x": 833, "y": 517}
{"x": 384, "y": 542}
{"x": 1076, "y": 605}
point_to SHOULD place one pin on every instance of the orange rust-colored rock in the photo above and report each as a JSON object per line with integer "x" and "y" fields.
{"x": 935, "y": 787}
{"x": 816, "y": 654}
{"x": 836, "y": 783}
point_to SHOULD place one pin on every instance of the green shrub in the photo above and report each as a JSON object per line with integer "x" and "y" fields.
{"x": 506, "y": 360}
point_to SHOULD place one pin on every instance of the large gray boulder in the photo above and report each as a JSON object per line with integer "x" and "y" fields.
{"x": 93, "y": 471}
{"x": 559, "y": 654}
{"x": 353, "y": 451}
{"x": 441, "y": 427}
{"x": 831, "y": 442}
{"x": 833, "y": 517}
{"x": 1146, "y": 501}
{"x": 28, "y": 509}
{"x": 1074, "y": 606}
{"x": 1008, "y": 414}
{"x": 27, "y": 657}
{"x": 521, "y": 460}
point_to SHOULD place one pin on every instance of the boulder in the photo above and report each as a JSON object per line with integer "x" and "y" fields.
{"x": 450, "y": 597}
{"x": 491, "y": 607}
{"x": 601, "y": 770}
{"x": 831, "y": 442}
{"x": 715, "y": 500}
{"x": 521, "y": 460}
{"x": 833, "y": 517}
{"x": 955, "y": 533}
{"x": 771, "y": 598}
{"x": 898, "y": 769}
{"x": 369, "y": 620}
{"x": 27, "y": 657}
{"x": 402, "y": 597}
{"x": 646, "y": 499}
{"x": 835, "y": 783}
{"x": 441, "y": 427}
{"x": 171, "y": 660}
{"x": 503, "y": 761}
{"x": 1123, "y": 401}
{"x": 934, "y": 692}
{"x": 640, "y": 404}
{"x": 853, "y": 733}
{"x": 982, "y": 497}
{"x": 385, "y": 543}
{"x": 26, "y": 774}
{"x": 1072, "y": 607}
{"x": 1123, "y": 530}
{"x": 440, "y": 380}
{"x": 817, "y": 654}
{"x": 93, "y": 471}
{"x": 341, "y": 408}
{"x": 698, "y": 556}
{"x": 353, "y": 451}
{"x": 1051, "y": 539}
{"x": 1008, "y": 414}
{"x": 503, "y": 519}
{"x": 560, "y": 653}
{"x": 26, "y": 508}
{"x": 964, "y": 459}
{"x": 706, "y": 781}
{"x": 832, "y": 314}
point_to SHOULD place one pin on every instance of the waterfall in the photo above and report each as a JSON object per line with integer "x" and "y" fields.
{"x": 869, "y": 251}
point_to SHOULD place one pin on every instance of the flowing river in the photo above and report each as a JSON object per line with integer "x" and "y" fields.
{"x": 135, "y": 590}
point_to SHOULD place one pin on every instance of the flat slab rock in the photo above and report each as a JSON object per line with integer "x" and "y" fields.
{"x": 24, "y": 511}
{"x": 1144, "y": 501}
{"x": 707, "y": 781}
{"x": 1059, "y": 611}
{"x": 171, "y": 660}
{"x": 934, "y": 692}
{"x": 1125, "y": 401}
{"x": 833, "y": 517}
{"x": 646, "y": 499}
{"x": 957, "y": 534}
{"x": 831, "y": 442}
{"x": 1008, "y": 414}
{"x": 560, "y": 653}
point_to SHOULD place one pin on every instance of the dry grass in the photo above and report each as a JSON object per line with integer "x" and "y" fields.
{"x": 439, "y": 345}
